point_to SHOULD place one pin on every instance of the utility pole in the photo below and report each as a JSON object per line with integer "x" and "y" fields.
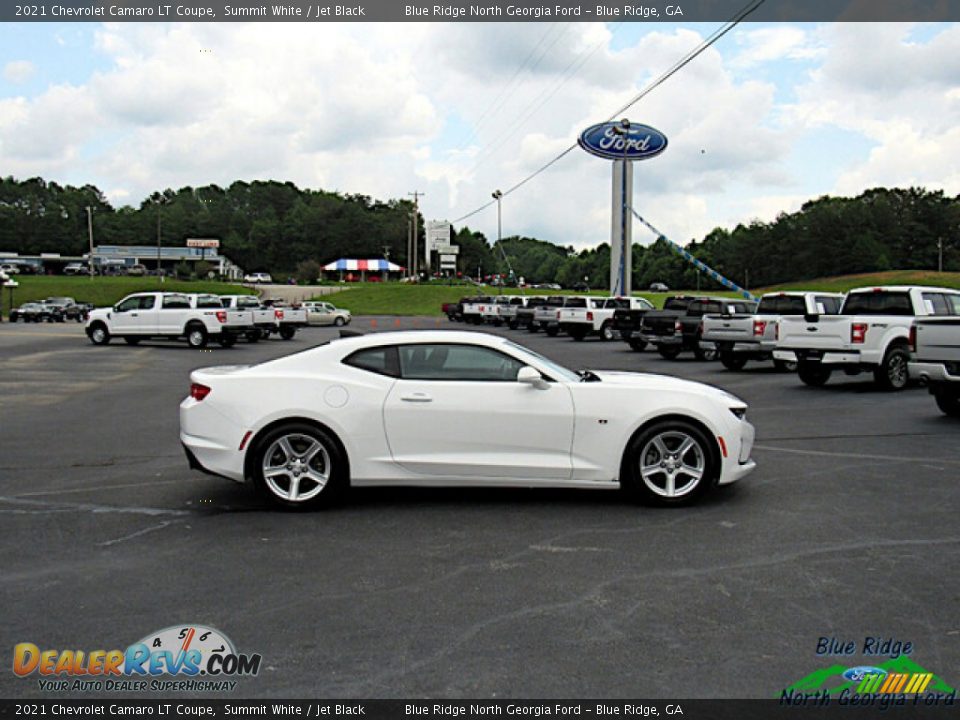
{"x": 409, "y": 246}
{"x": 90, "y": 235}
{"x": 159, "y": 241}
{"x": 939, "y": 254}
{"x": 416, "y": 212}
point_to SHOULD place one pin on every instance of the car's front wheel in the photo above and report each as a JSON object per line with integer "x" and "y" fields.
{"x": 339, "y": 322}
{"x": 298, "y": 466}
{"x": 227, "y": 341}
{"x": 99, "y": 335}
{"x": 670, "y": 463}
{"x": 131, "y": 340}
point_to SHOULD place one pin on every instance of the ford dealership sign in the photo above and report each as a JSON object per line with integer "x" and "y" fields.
{"x": 615, "y": 141}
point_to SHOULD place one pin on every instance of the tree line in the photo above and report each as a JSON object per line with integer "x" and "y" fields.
{"x": 276, "y": 226}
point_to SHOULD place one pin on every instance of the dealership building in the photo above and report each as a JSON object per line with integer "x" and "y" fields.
{"x": 118, "y": 257}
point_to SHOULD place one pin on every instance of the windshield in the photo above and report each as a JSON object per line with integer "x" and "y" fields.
{"x": 559, "y": 371}
{"x": 676, "y": 303}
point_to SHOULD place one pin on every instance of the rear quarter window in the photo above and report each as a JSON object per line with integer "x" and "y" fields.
{"x": 379, "y": 360}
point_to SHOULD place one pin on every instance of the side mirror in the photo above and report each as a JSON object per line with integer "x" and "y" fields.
{"x": 116, "y": 309}
{"x": 531, "y": 376}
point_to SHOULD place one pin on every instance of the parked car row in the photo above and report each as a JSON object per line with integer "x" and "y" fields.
{"x": 894, "y": 332}
{"x": 197, "y": 317}
{"x": 52, "y": 309}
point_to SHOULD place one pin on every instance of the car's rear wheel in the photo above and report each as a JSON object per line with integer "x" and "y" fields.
{"x": 948, "y": 400}
{"x": 670, "y": 463}
{"x": 893, "y": 373}
{"x": 732, "y": 361}
{"x": 813, "y": 373}
{"x": 638, "y": 345}
{"x": 99, "y": 335}
{"x": 298, "y": 466}
{"x": 607, "y": 332}
{"x": 253, "y": 336}
{"x": 287, "y": 332}
{"x": 670, "y": 352}
{"x": 197, "y": 336}
{"x": 577, "y": 334}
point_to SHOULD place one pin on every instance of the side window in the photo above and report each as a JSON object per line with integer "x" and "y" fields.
{"x": 954, "y": 301}
{"x": 129, "y": 304}
{"x": 936, "y": 304}
{"x": 147, "y": 302}
{"x": 380, "y": 360}
{"x": 175, "y": 302}
{"x": 457, "y": 362}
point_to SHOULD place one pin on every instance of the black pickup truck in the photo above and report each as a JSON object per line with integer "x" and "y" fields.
{"x": 629, "y": 323}
{"x": 675, "y": 330}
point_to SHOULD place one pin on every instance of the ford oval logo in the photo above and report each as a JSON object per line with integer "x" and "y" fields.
{"x": 610, "y": 140}
{"x": 856, "y": 674}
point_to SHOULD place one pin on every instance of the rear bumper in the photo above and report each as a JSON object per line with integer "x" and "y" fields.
{"x": 932, "y": 373}
{"x": 827, "y": 357}
{"x": 661, "y": 339}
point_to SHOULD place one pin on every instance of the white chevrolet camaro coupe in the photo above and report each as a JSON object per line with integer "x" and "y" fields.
{"x": 457, "y": 408}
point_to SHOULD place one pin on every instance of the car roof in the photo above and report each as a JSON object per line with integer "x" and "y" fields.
{"x": 902, "y": 288}
{"x": 415, "y": 337}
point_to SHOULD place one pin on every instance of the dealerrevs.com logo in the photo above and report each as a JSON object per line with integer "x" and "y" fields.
{"x": 178, "y": 658}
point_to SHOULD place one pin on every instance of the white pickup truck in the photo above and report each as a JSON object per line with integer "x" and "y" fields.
{"x": 595, "y": 316}
{"x": 739, "y": 338}
{"x": 472, "y": 312}
{"x": 166, "y": 315}
{"x": 266, "y": 320}
{"x": 871, "y": 333}
{"x": 935, "y": 358}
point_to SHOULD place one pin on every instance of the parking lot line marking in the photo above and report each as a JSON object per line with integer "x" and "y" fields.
{"x": 96, "y": 487}
{"x": 863, "y": 456}
{"x": 138, "y": 533}
{"x": 90, "y": 507}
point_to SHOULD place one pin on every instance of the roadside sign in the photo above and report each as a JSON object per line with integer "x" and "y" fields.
{"x": 203, "y": 243}
{"x": 448, "y": 258}
{"x": 438, "y": 234}
{"x": 448, "y": 249}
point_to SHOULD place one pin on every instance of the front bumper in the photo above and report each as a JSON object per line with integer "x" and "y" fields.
{"x": 738, "y": 463}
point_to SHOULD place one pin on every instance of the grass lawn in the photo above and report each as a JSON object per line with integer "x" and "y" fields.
{"x": 104, "y": 291}
{"x": 843, "y": 283}
{"x": 397, "y": 299}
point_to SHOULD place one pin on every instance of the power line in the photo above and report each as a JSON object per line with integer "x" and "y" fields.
{"x": 746, "y": 10}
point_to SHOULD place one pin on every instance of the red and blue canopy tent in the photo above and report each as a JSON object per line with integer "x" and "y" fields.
{"x": 380, "y": 265}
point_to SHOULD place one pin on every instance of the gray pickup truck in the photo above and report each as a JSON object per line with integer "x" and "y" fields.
{"x": 935, "y": 357}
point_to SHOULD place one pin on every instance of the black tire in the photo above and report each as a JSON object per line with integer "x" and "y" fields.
{"x": 533, "y": 327}
{"x": 287, "y": 332}
{"x": 513, "y": 325}
{"x": 638, "y": 345}
{"x": 892, "y": 373}
{"x": 813, "y": 373}
{"x": 669, "y": 352}
{"x": 705, "y": 355}
{"x": 607, "y": 333}
{"x": 197, "y": 337}
{"x": 227, "y": 341}
{"x": 785, "y": 366}
{"x": 948, "y": 400}
{"x": 252, "y": 336}
{"x": 552, "y": 331}
{"x": 326, "y": 472}
{"x": 131, "y": 340}
{"x": 338, "y": 322}
{"x": 732, "y": 361}
{"x": 577, "y": 335}
{"x": 99, "y": 335}
{"x": 647, "y": 476}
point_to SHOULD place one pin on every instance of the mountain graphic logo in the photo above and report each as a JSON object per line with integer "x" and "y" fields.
{"x": 835, "y": 679}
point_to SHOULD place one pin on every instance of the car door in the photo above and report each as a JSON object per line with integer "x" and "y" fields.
{"x": 127, "y": 316}
{"x": 172, "y": 315}
{"x": 457, "y": 411}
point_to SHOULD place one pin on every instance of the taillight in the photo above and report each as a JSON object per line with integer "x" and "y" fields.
{"x": 678, "y": 326}
{"x": 776, "y": 331}
{"x": 913, "y": 338}
{"x": 221, "y": 316}
{"x": 198, "y": 391}
{"x": 278, "y": 314}
{"x": 699, "y": 328}
{"x": 558, "y": 314}
{"x": 759, "y": 328}
{"x": 589, "y": 316}
{"x": 858, "y": 333}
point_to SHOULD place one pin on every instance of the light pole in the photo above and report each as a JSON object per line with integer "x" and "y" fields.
{"x": 159, "y": 241}
{"x": 90, "y": 236}
{"x": 497, "y": 195}
{"x": 621, "y": 283}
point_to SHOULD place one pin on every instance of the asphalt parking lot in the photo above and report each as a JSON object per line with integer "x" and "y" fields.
{"x": 848, "y": 528}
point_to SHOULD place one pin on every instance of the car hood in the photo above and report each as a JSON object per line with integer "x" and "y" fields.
{"x": 665, "y": 383}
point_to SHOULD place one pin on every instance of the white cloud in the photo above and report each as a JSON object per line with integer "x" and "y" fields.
{"x": 776, "y": 43}
{"x": 18, "y": 71}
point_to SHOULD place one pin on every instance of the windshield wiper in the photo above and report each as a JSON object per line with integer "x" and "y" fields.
{"x": 588, "y": 376}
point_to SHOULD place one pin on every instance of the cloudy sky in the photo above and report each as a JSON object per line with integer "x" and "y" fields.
{"x": 770, "y": 116}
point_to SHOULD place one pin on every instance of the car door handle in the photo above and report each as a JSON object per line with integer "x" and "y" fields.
{"x": 416, "y": 397}
{"x": 134, "y": 315}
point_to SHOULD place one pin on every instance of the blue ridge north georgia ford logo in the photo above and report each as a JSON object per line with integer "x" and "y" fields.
{"x": 619, "y": 141}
